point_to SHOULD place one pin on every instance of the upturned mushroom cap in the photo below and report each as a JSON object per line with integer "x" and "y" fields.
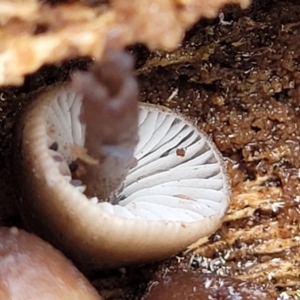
{"x": 31, "y": 269}
{"x": 177, "y": 193}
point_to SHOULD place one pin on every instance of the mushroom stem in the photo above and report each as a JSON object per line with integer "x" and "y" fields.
{"x": 110, "y": 114}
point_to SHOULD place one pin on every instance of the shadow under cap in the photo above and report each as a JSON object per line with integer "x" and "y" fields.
{"x": 150, "y": 222}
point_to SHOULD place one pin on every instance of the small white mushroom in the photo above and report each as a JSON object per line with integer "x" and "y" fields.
{"x": 177, "y": 193}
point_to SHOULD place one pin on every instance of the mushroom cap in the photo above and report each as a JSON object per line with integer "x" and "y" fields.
{"x": 32, "y": 269}
{"x": 178, "y": 285}
{"x": 177, "y": 193}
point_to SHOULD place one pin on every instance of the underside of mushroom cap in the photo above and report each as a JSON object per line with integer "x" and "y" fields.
{"x": 177, "y": 193}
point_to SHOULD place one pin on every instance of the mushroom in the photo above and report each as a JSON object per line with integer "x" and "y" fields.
{"x": 32, "y": 269}
{"x": 176, "y": 192}
{"x": 183, "y": 284}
